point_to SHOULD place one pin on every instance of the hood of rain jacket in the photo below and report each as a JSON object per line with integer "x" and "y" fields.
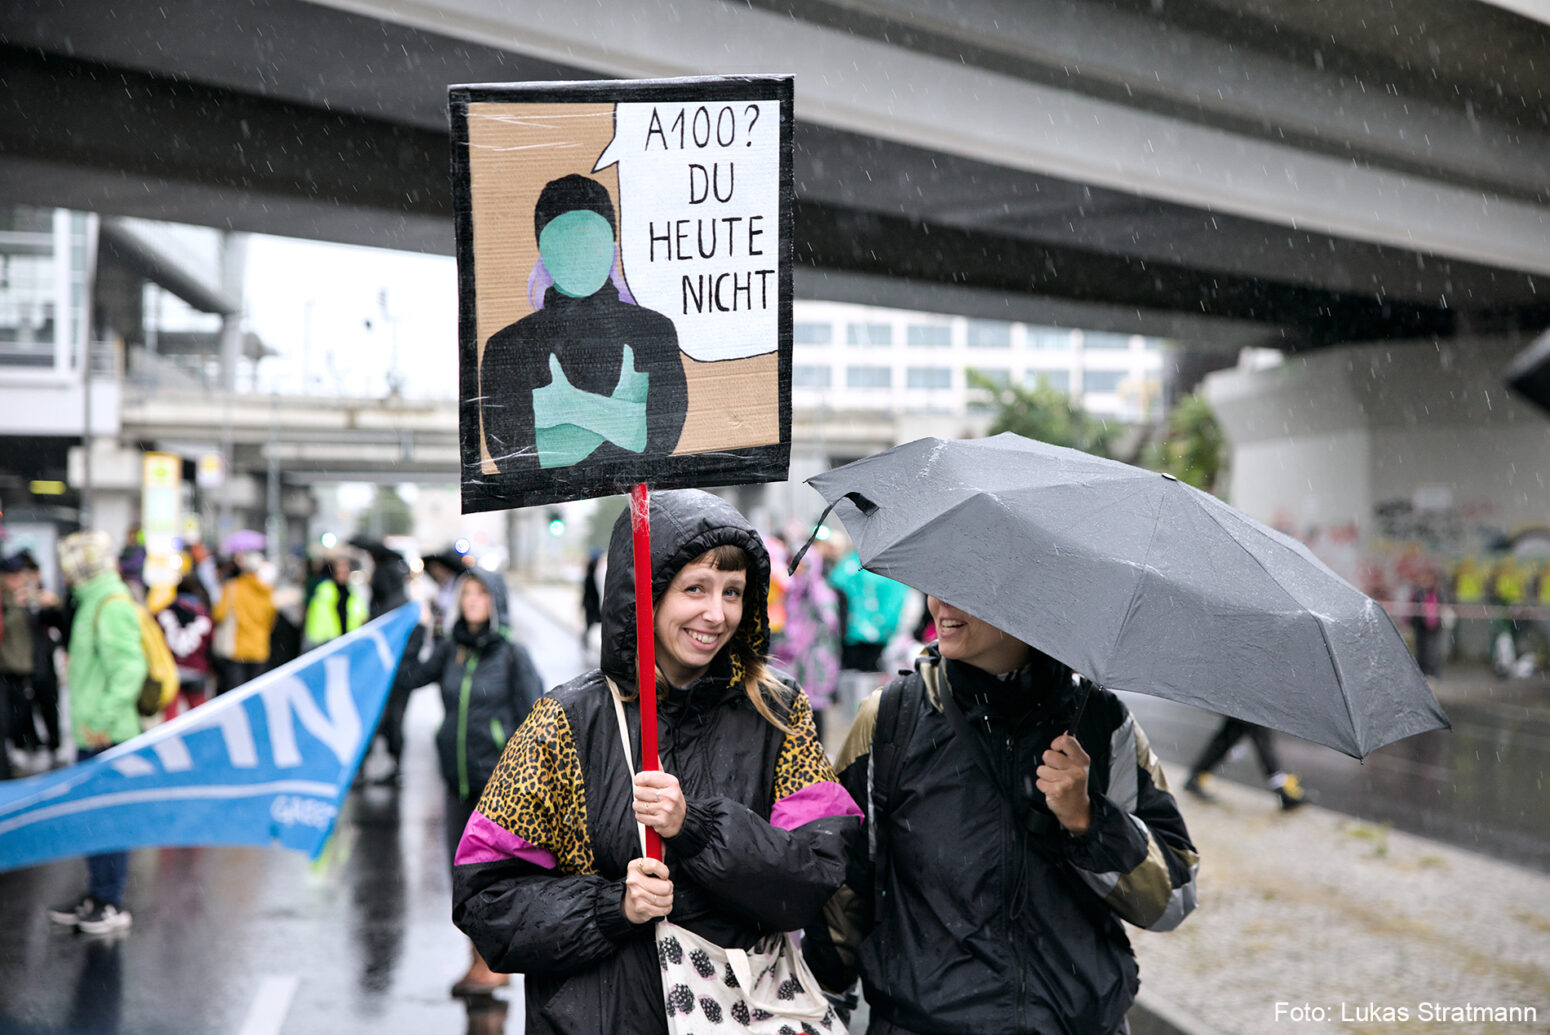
{"x": 684, "y": 524}
{"x": 539, "y": 877}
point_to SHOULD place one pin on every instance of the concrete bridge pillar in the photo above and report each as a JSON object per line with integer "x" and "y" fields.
{"x": 1373, "y": 454}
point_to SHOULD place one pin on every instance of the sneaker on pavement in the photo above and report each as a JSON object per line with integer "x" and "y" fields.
{"x": 1197, "y": 785}
{"x": 104, "y": 917}
{"x": 1290, "y": 791}
{"x": 70, "y": 913}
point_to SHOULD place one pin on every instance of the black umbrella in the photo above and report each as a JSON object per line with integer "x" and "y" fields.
{"x": 1137, "y": 581}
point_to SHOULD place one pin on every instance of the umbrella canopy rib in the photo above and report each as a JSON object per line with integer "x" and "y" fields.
{"x": 1145, "y": 566}
{"x": 1319, "y": 620}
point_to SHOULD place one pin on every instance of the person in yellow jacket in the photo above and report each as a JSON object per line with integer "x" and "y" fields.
{"x": 337, "y": 606}
{"x": 248, "y": 602}
{"x": 1469, "y": 584}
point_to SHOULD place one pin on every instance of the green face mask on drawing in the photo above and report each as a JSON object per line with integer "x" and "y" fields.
{"x": 578, "y": 251}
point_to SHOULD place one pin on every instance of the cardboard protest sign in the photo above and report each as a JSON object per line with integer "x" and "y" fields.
{"x": 624, "y": 269}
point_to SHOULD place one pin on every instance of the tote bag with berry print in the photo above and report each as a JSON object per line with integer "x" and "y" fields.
{"x": 767, "y": 990}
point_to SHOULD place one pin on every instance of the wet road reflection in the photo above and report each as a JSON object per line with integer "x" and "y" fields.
{"x": 99, "y": 987}
{"x": 377, "y": 890}
{"x": 1482, "y": 786}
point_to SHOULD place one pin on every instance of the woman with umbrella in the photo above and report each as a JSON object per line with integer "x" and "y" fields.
{"x": 1017, "y": 816}
{"x": 550, "y": 880}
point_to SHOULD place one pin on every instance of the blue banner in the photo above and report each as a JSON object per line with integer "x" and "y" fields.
{"x": 267, "y": 763}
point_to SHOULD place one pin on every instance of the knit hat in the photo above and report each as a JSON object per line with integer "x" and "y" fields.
{"x": 573, "y": 193}
{"x": 13, "y": 564}
{"x": 85, "y": 555}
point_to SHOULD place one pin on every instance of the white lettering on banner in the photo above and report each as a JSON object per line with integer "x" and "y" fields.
{"x": 163, "y": 795}
{"x": 173, "y": 755}
{"x": 340, "y": 729}
{"x": 134, "y": 765}
{"x": 384, "y": 652}
{"x": 172, "y": 751}
{"x": 284, "y": 702}
{"x": 308, "y": 812}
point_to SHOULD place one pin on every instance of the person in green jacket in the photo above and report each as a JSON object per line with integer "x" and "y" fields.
{"x": 107, "y": 669}
{"x": 336, "y": 607}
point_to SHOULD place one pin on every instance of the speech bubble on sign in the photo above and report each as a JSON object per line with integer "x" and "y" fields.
{"x": 699, "y": 211}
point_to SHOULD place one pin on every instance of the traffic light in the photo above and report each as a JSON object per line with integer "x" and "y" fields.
{"x": 556, "y": 524}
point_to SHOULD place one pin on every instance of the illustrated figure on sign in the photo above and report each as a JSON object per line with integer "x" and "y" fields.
{"x": 589, "y": 375}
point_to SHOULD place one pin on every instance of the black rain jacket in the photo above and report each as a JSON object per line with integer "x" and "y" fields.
{"x": 538, "y": 882}
{"x": 993, "y": 919}
{"x": 488, "y": 686}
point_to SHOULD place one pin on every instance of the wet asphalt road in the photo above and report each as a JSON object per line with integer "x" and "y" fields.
{"x": 253, "y": 942}
{"x": 1483, "y": 786}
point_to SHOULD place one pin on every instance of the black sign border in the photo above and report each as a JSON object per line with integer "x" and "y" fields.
{"x": 771, "y": 463}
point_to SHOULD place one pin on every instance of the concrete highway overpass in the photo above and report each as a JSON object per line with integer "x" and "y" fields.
{"x": 1225, "y": 172}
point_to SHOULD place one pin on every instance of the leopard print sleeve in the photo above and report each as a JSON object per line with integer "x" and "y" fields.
{"x": 805, "y": 785}
{"x": 802, "y": 761}
{"x": 537, "y": 795}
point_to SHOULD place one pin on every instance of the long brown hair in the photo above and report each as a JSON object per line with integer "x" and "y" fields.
{"x": 747, "y": 654}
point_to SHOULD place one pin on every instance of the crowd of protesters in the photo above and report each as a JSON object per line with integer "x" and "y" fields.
{"x": 946, "y": 734}
{"x": 222, "y": 621}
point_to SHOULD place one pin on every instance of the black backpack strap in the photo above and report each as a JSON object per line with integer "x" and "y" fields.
{"x": 898, "y": 712}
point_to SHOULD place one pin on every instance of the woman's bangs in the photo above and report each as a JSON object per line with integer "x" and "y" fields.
{"x": 726, "y": 558}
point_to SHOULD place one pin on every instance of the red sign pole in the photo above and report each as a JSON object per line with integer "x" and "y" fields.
{"x": 645, "y": 644}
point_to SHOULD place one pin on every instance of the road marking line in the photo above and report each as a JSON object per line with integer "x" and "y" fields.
{"x": 270, "y": 1005}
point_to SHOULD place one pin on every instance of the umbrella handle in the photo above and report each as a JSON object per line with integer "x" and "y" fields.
{"x": 1081, "y": 705}
{"x": 863, "y": 504}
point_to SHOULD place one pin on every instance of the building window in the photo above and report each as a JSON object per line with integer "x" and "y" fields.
{"x": 868, "y": 377}
{"x": 1051, "y": 338}
{"x": 997, "y": 376}
{"x": 1099, "y": 340}
{"x": 928, "y": 377}
{"x": 810, "y": 376}
{"x": 1102, "y": 380}
{"x": 1057, "y": 379}
{"x": 869, "y": 334}
{"x": 929, "y": 335}
{"x": 812, "y": 334}
{"x": 989, "y": 334}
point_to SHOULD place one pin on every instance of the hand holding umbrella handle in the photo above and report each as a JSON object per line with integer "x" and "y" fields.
{"x": 1063, "y": 779}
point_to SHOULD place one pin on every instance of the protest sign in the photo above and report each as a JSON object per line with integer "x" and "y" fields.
{"x": 624, "y": 270}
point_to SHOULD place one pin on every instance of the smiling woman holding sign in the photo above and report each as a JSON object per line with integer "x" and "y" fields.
{"x": 550, "y": 878}
{"x": 590, "y": 375}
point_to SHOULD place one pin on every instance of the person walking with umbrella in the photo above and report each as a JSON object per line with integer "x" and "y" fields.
{"x": 1015, "y": 817}
{"x": 1024, "y": 810}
